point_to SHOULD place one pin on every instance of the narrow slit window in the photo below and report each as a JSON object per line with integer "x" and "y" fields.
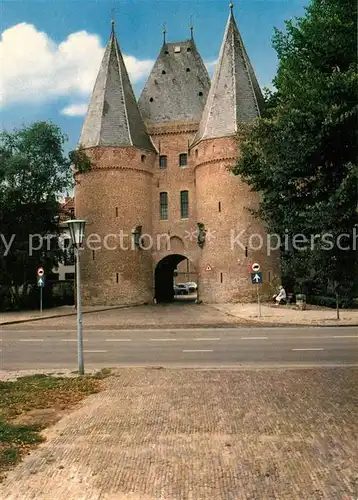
{"x": 219, "y": 206}
{"x": 221, "y": 278}
{"x": 117, "y": 277}
{"x": 116, "y": 211}
{"x": 93, "y": 255}
{"x": 246, "y": 252}
{"x": 163, "y": 160}
{"x": 184, "y": 204}
{"x": 183, "y": 160}
{"x": 163, "y": 206}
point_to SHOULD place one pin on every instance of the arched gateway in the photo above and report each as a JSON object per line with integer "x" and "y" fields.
{"x": 164, "y": 277}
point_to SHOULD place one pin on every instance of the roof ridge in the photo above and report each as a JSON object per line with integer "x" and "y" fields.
{"x": 116, "y": 46}
{"x": 233, "y": 96}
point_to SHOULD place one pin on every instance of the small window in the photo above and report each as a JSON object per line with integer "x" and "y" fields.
{"x": 184, "y": 204}
{"x": 164, "y": 72}
{"x": 142, "y": 158}
{"x": 196, "y": 153}
{"x": 151, "y": 99}
{"x": 188, "y": 49}
{"x": 163, "y": 206}
{"x": 162, "y": 161}
{"x": 166, "y": 52}
{"x": 177, "y": 49}
{"x": 200, "y": 94}
{"x": 187, "y": 70}
{"x": 183, "y": 160}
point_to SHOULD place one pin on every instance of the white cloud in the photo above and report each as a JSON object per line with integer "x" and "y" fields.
{"x": 75, "y": 110}
{"x": 210, "y": 66}
{"x": 35, "y": 68}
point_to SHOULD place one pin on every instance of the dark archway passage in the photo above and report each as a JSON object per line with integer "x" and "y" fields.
{"x": 164, "y": 277}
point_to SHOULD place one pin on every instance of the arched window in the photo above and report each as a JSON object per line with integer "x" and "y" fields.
{"x": 184, "y": 204}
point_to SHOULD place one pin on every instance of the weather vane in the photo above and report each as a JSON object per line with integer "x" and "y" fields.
{"x": 191, "y": 26}
{"x": 164, "y": 32}
{"x": 113, "y": 13}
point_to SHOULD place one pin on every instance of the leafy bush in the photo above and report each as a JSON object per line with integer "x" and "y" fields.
{"x": 330, "y": 301}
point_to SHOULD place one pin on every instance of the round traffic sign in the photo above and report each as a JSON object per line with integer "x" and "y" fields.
{"x": 255, "y": 267}
{"x": 40, "y": 271}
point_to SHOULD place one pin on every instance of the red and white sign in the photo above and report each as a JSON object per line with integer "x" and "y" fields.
{"x": 40, "y": 271}
{"x": 255, "y": 267}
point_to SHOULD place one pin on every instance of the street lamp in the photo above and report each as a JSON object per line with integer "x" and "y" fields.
{"x": 77, "y": 232}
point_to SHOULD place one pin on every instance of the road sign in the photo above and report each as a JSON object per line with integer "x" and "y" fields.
{"x": 256, "y": 278}
{"x": 41, "y": 281}
{"x": 255, "y": 267}
{"x": 208, "y": 268}
{"x": 40, "y": 271}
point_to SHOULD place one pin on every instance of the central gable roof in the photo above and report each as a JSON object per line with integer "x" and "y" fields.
{"x": 177, "y": 87}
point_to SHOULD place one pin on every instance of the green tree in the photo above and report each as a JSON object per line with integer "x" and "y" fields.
{"x": 34, "y": 173}
{"x": 302, "y": 154}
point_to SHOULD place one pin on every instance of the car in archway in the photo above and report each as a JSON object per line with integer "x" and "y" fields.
{"x": 181, "y": 289}
{"x": 191, "y": 286}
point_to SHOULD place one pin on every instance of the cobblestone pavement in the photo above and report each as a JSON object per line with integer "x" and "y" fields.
{"x": 289, "y": 314}
{"x": 158, "y": 434}
{"x": 149, "y": 316}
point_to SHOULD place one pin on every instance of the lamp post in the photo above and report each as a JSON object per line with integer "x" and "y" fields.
{"x": 77, "y": 232}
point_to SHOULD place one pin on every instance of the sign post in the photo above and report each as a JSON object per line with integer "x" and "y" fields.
{"x": 256, "y": 279}
{"x": 40, "y": 283}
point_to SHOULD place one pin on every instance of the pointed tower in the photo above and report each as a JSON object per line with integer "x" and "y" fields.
{"x": 223, "y": 202}
{"x": 115, "y": 196}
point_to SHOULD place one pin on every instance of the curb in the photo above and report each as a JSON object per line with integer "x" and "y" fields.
{"x": 53, "y": 316}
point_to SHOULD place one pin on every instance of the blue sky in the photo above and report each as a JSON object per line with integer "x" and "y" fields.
{"x": 51, "y": 50}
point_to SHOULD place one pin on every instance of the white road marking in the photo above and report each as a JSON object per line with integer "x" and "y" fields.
{"x": 207, "y": 338}
{"x": 345, "y": 337}
{"x": 309, "y": 349}
{"x": 95, "y": 350}
{"x": 72, "y": 340}
{"x": 254, "y": 338}
{"x": 198, "y": 350}
{"x": 31, "y": 340}
{"x": 118, "y": 340}
{"x": 163, "y": 340}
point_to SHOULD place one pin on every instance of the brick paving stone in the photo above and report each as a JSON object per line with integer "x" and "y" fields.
{"x": 170, "y": 434}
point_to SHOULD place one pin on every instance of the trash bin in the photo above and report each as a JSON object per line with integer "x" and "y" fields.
{"x": 301, "y": 301}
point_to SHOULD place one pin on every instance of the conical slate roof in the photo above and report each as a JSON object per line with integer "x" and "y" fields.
{"x": 235, "y": 96}
{"x": 113, "y": 117}
{"x": 177, "y": 87}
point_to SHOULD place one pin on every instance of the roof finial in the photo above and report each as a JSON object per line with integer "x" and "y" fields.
{"x": 164, "y": 33}
{"x": 113, "y": 13}
{"x": 191, "y": 27}
{"x": 231, "y": 5}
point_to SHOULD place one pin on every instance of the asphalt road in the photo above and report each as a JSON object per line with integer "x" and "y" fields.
{"x": 28, "y": 348}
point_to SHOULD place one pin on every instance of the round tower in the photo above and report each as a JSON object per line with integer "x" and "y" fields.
{"x": 115, "y": 195}
{"x": 231, "y": 237}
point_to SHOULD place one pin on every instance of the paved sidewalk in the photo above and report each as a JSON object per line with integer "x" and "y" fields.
{"x": 202, "y": 435}
{"x": 55, "y": 312}
{"x": 176, "y": 315}
{"x": 289, "y": 314}
{"x": 181, "y": 314}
